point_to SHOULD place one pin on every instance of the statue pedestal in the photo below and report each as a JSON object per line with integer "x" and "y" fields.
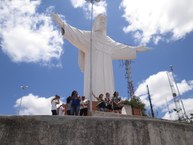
{"x": 94, "y": 104}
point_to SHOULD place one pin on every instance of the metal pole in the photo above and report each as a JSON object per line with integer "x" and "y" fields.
{"x": 92, "y": 1}
{"x": 151, "y": 106}
{"x": 23, "y": 88}
{"x": 90, "y": 93}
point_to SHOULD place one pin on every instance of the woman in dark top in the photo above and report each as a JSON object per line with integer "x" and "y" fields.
{"x": 101, "y": 103}
{"x": 117, "y": 106}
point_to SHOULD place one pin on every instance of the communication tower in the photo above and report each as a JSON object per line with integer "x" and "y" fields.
{"x": 179, "y": 106}
{"x": 130, "y": 87}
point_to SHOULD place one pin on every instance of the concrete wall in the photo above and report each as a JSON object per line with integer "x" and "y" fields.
{"x": 69, "y": 130}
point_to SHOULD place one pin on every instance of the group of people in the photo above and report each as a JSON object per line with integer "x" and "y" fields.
{"x": 109, "y": 104}
{"x": 78, "y": 105}
{"x": 75, "y": 105}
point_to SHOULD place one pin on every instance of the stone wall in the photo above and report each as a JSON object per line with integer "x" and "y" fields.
{"x": 99, "y": 130}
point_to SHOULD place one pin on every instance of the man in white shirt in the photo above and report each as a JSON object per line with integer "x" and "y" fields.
{"x": 83, "y": 106}
{"x": 54, "y": 102}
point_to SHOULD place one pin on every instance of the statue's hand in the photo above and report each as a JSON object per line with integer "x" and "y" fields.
{"x": 142, "y": 49}
{"x": 58, "y": 20}
{"x": 63, "y": 31}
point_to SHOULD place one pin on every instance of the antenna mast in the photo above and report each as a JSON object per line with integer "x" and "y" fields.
{"x": 176, "y": 96}
{"x": 150, "y": 102}
{"x": 128, "y": 76}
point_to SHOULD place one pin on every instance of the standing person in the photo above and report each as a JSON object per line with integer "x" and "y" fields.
{"x": 83, "y": 106}
{"x": 108, "y": 102}
{"x": 54, "y": 102}
{"x": 61, "y": 110}
{"x": 68, "y": 105}
{"x": 117, "y": 102}
{"x": 101, "y": 102}
{"x": 75, "y": 104}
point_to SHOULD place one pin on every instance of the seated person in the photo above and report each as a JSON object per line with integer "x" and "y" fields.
{"x": 108, "y": 102}
{"x": 101, "y": 103}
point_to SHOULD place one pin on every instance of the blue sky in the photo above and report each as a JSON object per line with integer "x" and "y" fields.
{"x": 33, "y": 52}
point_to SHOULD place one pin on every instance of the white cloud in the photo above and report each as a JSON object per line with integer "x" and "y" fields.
{"x": 188, "y": 108}
{"x": 158, "y": 86}
{"x": 185, "y": 86}
{"x": 28, "y": 36}
{"x": 34, "y": 105}
{"x": 98, "y": 7}
{"x": 160, "y": 92}
{"x": 153, "y": 20}
{"x": 78, "y": 3}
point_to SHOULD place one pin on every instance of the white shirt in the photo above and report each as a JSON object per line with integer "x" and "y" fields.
{"x": 53, "y": 103}
{"x": 83, "y": 104}
{"x": 61, "y": 111}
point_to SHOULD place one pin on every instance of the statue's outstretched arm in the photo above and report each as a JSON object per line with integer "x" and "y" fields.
{"x": 121, "y": 51}
{"x": 141, "y": 49}
{"x": 77, "y": 37}
{"x": 58, "y": 20}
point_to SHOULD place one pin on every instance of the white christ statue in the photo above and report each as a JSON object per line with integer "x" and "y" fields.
{"x": 104, "y": 50}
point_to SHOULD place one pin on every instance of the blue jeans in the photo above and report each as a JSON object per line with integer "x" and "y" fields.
{"x": 75, "y": 110}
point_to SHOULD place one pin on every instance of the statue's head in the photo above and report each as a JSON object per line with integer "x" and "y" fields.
{"x": 100, "y": 24}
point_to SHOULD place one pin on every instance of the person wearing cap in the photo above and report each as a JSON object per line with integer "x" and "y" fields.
{"x": 54, "y": 102}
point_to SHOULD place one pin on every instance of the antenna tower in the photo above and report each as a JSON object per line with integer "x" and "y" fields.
{"x": 128, "y": 76}
{"x": 167, "y": 105}
{"x": 179, "y": 107}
